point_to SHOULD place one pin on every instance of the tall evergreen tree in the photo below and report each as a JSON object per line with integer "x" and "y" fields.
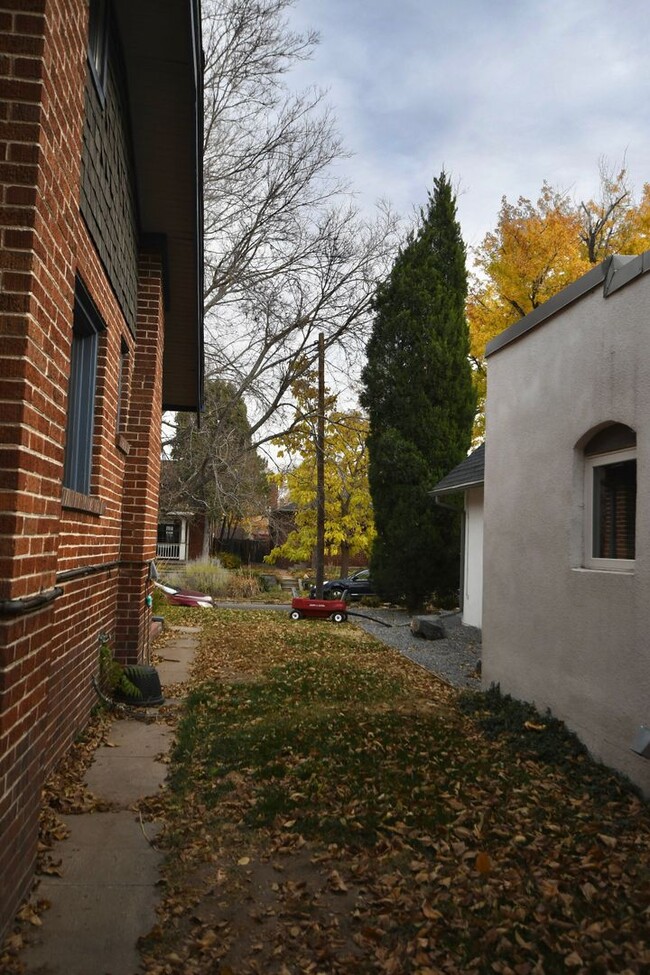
{"x": 419, "y": 396}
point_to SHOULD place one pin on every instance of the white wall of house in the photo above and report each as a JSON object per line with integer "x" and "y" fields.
{"x": 569, "y": 638}
{"x": 473, "y": 558}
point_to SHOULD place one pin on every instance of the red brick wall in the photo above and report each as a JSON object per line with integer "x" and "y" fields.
{"x": 48, "y": 656}
{"x": 142, "y": 476}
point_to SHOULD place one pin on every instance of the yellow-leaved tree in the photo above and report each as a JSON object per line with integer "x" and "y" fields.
{"x": 349, "y": 523}
{"x": 539, "y": 248}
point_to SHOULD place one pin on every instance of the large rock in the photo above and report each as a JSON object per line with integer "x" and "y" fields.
{"x": 428, "y": 627}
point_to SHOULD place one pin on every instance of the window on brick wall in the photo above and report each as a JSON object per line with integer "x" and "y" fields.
{"x": 98, "y": 43}
{"x": 86, "y": 328}
{"x": 123, "y": 388}
{"x": 610, "y": 499}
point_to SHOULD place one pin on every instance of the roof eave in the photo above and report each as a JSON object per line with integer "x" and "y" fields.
{"x": 457, "y": 488}
{"x": 613, "y": 273}
{"x": 161, "y": 41}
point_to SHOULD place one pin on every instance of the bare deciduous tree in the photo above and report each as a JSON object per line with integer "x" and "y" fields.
{"x": 287, "y": 253}
{"x": 603, "y": 220}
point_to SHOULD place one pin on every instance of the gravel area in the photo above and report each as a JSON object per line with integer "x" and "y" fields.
{"x": 454, "y": 658}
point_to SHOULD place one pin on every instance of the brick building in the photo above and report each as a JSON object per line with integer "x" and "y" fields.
{"x": 100, "y": 329}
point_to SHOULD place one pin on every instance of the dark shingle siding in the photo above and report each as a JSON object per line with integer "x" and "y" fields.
{"x": 108, "y": 185}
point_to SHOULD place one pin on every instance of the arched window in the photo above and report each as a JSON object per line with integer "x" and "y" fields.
{"x": 610, "y": 498}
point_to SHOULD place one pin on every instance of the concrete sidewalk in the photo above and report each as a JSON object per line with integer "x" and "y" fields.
{"x": 106, "y": 897}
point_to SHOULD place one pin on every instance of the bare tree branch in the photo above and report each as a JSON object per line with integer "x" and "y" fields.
{"x": 287, "y": 254}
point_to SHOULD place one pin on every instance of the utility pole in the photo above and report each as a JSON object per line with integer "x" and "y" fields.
{"x": 320, "y": 471}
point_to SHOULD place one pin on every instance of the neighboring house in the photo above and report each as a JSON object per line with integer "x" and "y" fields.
{"x": 180, "y": 536}
{"x": 566, "y": 618}
{"x": 100, "y": 264}
{"x": 467, "y": 479}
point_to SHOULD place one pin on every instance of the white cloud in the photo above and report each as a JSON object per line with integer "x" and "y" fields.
{"x": 503, "y": 93}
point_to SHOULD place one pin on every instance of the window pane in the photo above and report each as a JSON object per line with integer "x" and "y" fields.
{"x": 169, "y": 532}
{"x": 81, "y": 408}
{"x": 81, "y": 393}
{"x": 614, "y": 510}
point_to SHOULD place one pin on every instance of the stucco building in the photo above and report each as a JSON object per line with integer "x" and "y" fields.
{"x": 566, "y": 609}
{"x": 100, "y": 327}
{"x": 467, "y": 480}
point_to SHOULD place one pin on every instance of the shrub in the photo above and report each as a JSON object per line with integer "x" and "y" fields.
{"x": 373, "y": 602}
{"x": 243, "y": 584}
{"x": 203, "y": 575}
{"x": 267, "y": 582}
{"x": 158, "y": 602}
{"x": 229, "y": 560}
{"x": 112, "y": 676}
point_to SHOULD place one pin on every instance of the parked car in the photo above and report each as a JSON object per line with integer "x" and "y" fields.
{"x": 357, "y": 585}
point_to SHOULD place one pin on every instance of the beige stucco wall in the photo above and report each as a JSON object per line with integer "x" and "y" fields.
{"x": 473, "y": 558}
{"x": 574, "y": 640}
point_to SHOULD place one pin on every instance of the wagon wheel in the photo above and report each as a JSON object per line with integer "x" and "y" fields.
{"x": 338, "y": 617}
{"x": 295, "y": 614}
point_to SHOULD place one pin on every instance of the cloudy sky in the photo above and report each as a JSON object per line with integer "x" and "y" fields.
{"x": 502, "y": 93}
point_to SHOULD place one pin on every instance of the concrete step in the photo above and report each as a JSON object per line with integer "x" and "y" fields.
{"x": 288, "y": 584}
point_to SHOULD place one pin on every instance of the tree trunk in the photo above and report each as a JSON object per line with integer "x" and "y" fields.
{"x": 345, "y": 559}
{"x": 206, "y": 537}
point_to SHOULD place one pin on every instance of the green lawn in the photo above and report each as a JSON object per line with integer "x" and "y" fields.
{"x": 334, "y": 808}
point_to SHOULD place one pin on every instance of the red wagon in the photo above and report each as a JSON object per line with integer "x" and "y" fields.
{"x": 304, "y": 607}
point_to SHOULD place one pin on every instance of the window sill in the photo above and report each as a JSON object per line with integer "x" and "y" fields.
{"x": 122, "y": 444}
{"x": 74, "y": 501}
{"x": 623, "y": 570}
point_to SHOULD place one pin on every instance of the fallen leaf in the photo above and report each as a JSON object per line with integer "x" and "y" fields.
{"x": 588, "y": 890}
{"x": 609, "y": 841}
{"x": 573, "y": 960}
{"x": 337, "y": 883}
{"x": 430, "y": 912}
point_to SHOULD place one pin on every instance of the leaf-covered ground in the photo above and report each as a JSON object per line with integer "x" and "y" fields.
{"x": 335, "y": 809}
{"x": 332, "y": 808}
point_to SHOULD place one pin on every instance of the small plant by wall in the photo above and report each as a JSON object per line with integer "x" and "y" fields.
{"x": 113, "y": 679}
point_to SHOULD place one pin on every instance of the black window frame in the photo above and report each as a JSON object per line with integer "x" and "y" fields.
{"x": 87, "y": 326}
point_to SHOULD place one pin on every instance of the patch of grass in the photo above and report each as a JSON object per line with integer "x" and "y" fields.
{"x": 319, "y": 759}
